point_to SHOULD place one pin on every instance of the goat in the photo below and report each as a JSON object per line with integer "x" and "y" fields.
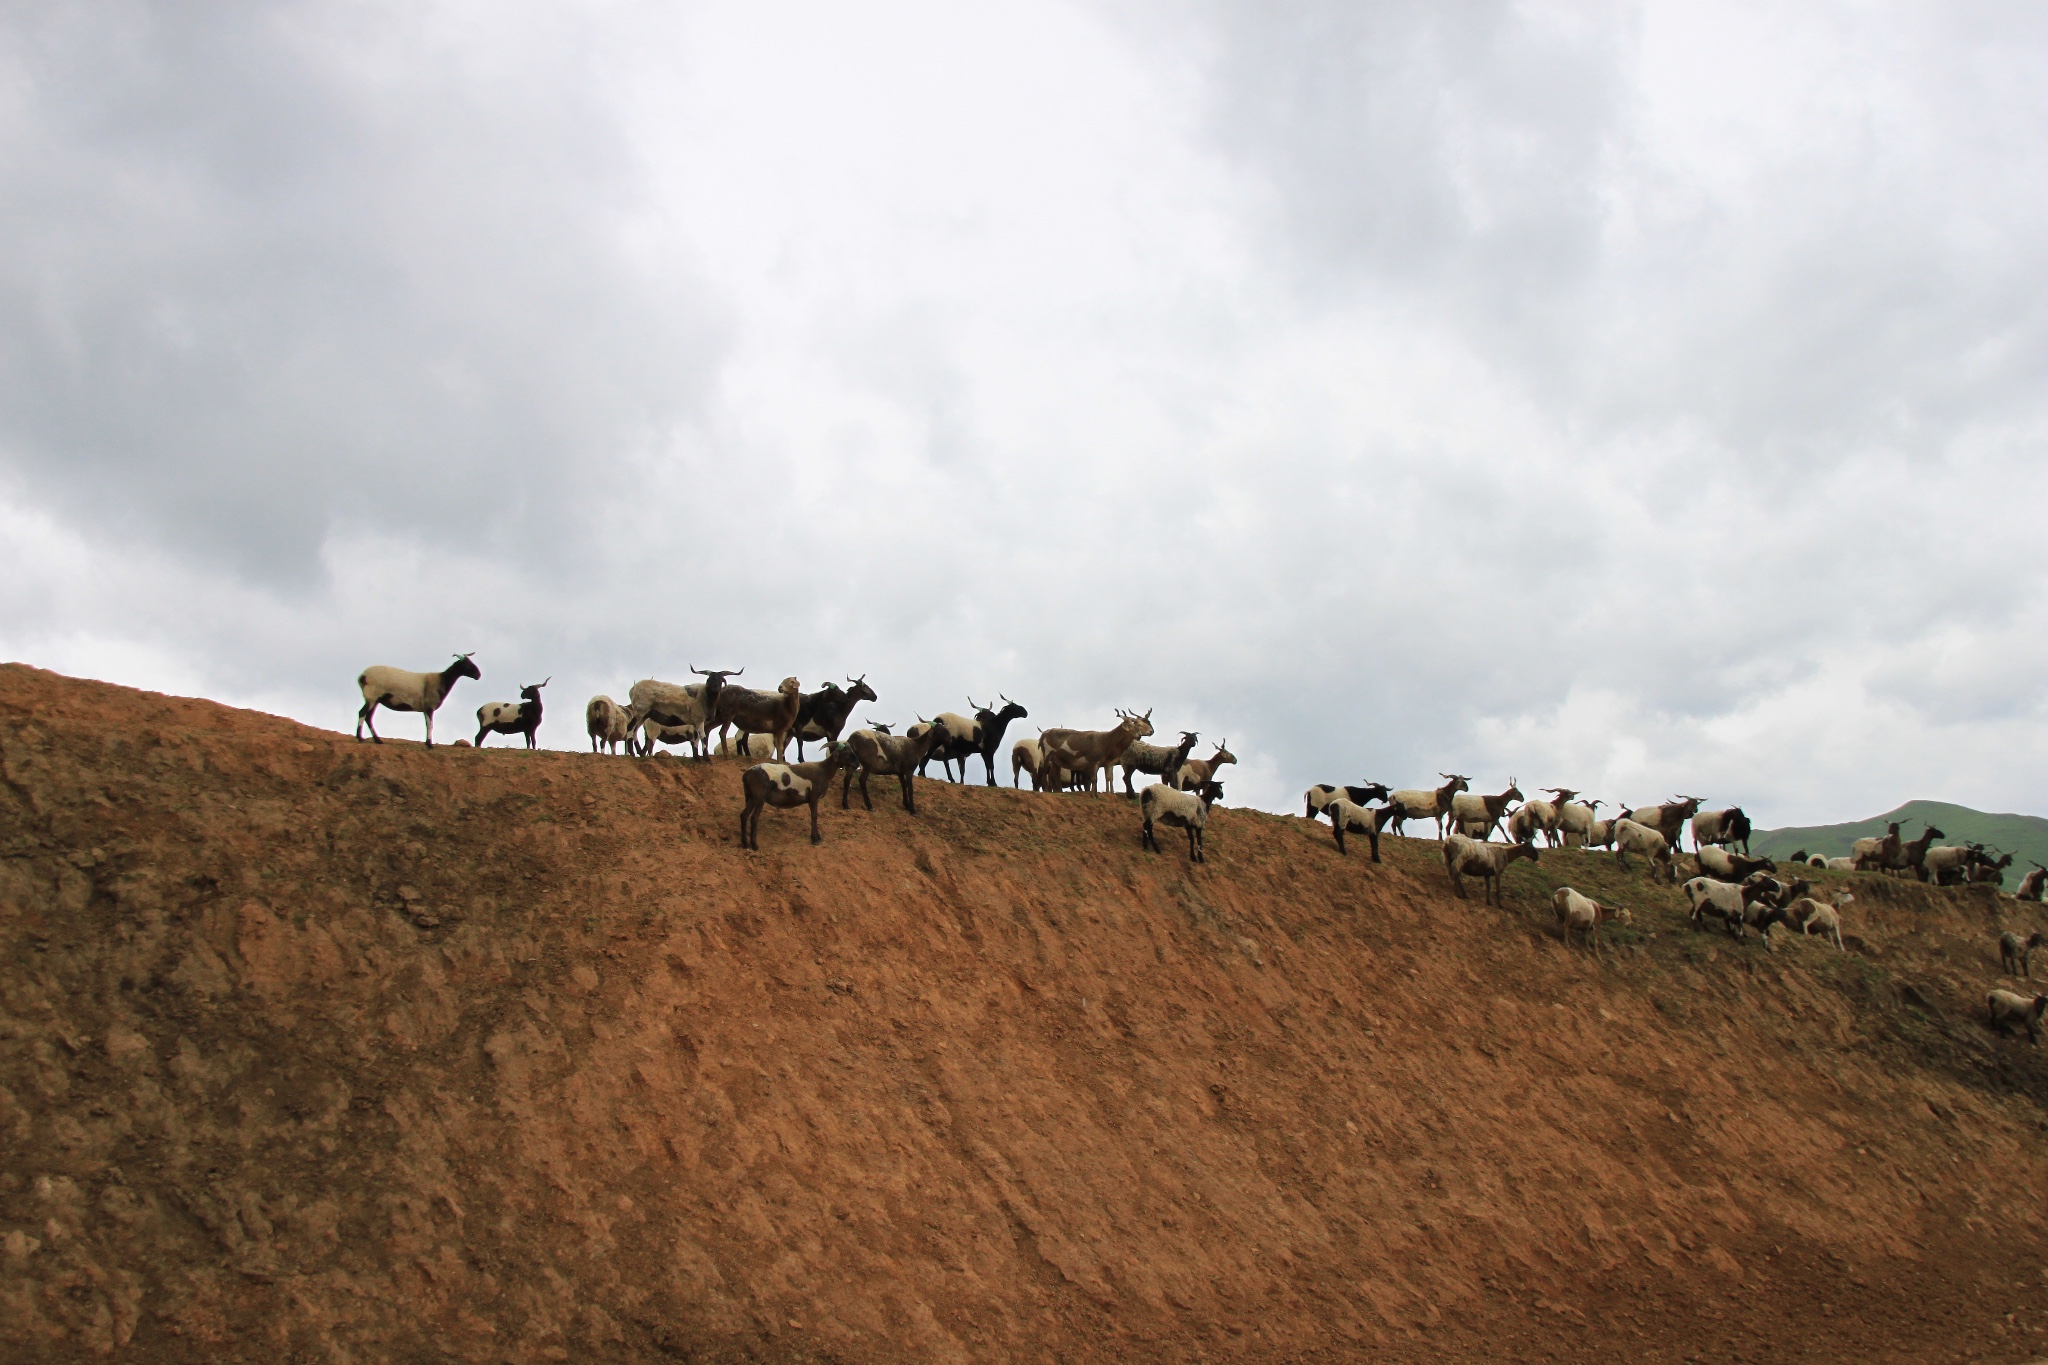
{"x": 1188, "y": 810}
{"x": 520, "y": 717}
{"x": 1990, "y": 870}
{"x": 754, "y": 712}
{"x": 675, "y": 705}
{"x": 2016, "y": 955}
{"x": 1576, "y": 911}
{"x": 400, "y": 690}
{"x": 1723, "y": 827}
{"x": 980, "y": 736}
{"x": 1839, "y": 864}
{"x": 1648, "y": 840}
{"x": 885, "y": 755}
{"x": 1349, "y": 817}
{"x": 1155, "y": 760}
{"x": 605, "y": 721}
{"x": 1729, "y": 904}
{"x": 1811, "y": 916}
{"x": 1025, "y": 756}
{"x": 1539, "y": 816}
{"x": 2007, "y": 1009}
{"x": 1196, "y": 772}
{"x": 2032, "y": 885}
{"x": 784, "y": 785}
{"x": 1472, "y": 858}
{"x": 1419, "y": 803}
{"x": 1575, "y": 819}
{"x": 1722, "y": 865}
{"x": 1876, "y": 853}
{"x": 1085, "y": 753}
{"x": 1913, "y": 853}
{"x": 653, "y": 732}
{"x": 822, "y": 714}
{"x": 1322, "y": 794}
{"x": 744, "y": 745}
{"x": 1485, "y": 811}
{"x": 1670, "y": 817}
{"x": 1600, "y": 833}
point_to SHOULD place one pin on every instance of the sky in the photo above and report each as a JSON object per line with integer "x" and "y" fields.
{"x": 1639, "y": 398}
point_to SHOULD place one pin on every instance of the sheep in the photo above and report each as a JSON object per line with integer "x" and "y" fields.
{"x": 1650, "y": 841}
{"x": 605, "y": 721}
{"x": 401, "y": 690}
{"x": 1471, "y": 858}
{"x": 1472, "y": 808}
{"x": 2032, "y": 885}
{"x": 1669, "y": 817}
{"x": 1192, "y": 774}
{"x": 675, "y": 705}
{"x": 1576, "y": 911}
{"x": 822, "y": 714}
{"x": 1085, "y": 753}
{"x": 1732, "y": 905}
{"x": 1320, "y": 795}
{"x": 1723, "y": 827}
{"x": 520, "y": 717}
{"x": 980, "y": 736}
{"x": 2016, "y": 955}
{"x": 2007, "y": 1009}
{"x": 1418, "y": 803}
{"x": 1188, "y": 810}
{"x": 746, "y": 746}
{"x": 784, "y": 785}
{"x": 1575, "y": 820}
{"x": 1539, "y": 816}
{"x": 1876, "y": 853}
{"x": 1025, "y": 756}
{"x": 653, "y": 732}
{"x": 885, "y": 755}
{"x": 1155, "y": 760}
{"x": 755, "y": 712}
{"x": 1722, "y": 865}
{"x": 1349, "y": 817}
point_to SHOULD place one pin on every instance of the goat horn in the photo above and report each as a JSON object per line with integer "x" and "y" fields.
{"x": 550, "y": 678}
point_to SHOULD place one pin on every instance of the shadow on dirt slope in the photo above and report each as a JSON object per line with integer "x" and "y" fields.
{"x": 312, "y": 1050}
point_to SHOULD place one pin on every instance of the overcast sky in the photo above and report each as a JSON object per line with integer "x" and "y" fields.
{"x": 1640, "y": 398}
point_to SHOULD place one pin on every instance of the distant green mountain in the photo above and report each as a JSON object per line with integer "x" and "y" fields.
{"x": 2023, "y": 836}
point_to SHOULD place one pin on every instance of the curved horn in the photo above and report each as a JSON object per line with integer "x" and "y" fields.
{"x": 1000, "y": 696}
{"x": 550, "y": 678}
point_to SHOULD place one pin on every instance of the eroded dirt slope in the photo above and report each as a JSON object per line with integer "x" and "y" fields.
{"x": 315, "y": 1050}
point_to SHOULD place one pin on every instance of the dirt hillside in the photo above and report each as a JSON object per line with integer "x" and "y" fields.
{"x": 312, "y": 1050}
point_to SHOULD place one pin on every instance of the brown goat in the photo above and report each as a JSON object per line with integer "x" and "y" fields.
{"x": 1089, "y": 752}
{"x": 887, "y": 755}
{"x": 786, "y": 785}
{"x": 761, "y": 713}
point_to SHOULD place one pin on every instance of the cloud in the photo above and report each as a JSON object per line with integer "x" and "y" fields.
{"x": 1633, "y": 398}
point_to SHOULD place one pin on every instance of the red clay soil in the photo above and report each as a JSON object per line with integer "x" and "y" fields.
{"x": 312, "y": 1050}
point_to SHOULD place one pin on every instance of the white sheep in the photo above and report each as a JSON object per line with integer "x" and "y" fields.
{"x": 2007, "y": 1009}
{"x": 1650, "y": 842}
{"x": 605, "y": 721}
{"x": 1579, "y": 912}
{"x": 403, "y": 690}
{"x": 1489, "y": 862}
{"x": 1188, "y": 810}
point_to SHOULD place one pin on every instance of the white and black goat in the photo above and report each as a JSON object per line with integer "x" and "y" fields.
{"x": 520, "y": 717}
{"x": 1188, "y": 810}
{"x": 401, "y": 690}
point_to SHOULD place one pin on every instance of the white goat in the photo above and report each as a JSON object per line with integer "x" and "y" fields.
{"x": 2007, "y": 1009}
{"x": 653, "y": 732}
{"x": 402, "y": 690}
{"x": 1630, "y": 837}
{"x": 1575, "y": 820}
{"x": 605, "y": 722}
{"x": 1579, "y": 912}
{"x": 1348, "y": 817}
{"x": 1489, "y": 862}
{"x": 760, "y": 744}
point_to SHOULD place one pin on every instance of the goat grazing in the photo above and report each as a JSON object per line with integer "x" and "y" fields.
{"x": 785, "y": 785}
{"x": 1349, "y": 817}
{"x": 1419, "y": 803}
{"x": 400, "y": 690}
{"x": 885, "y": 755}
{"x": 2007, "y": 1009}
{"x": 1812, "y": 917}
{"x": 520, "y": 717}
{"x": 822, "y": 714}
{"x": 1188, "y": 810}
{"x": 1473, "y": 858}
{"x": 1472, "y": 808}
{"x": 605, "y": 721}
{"x": 1649, "y": 841}
{"x": 1579, "y": 912}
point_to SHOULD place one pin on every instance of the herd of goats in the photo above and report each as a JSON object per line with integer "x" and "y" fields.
{"x": 1740, "y": 891}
